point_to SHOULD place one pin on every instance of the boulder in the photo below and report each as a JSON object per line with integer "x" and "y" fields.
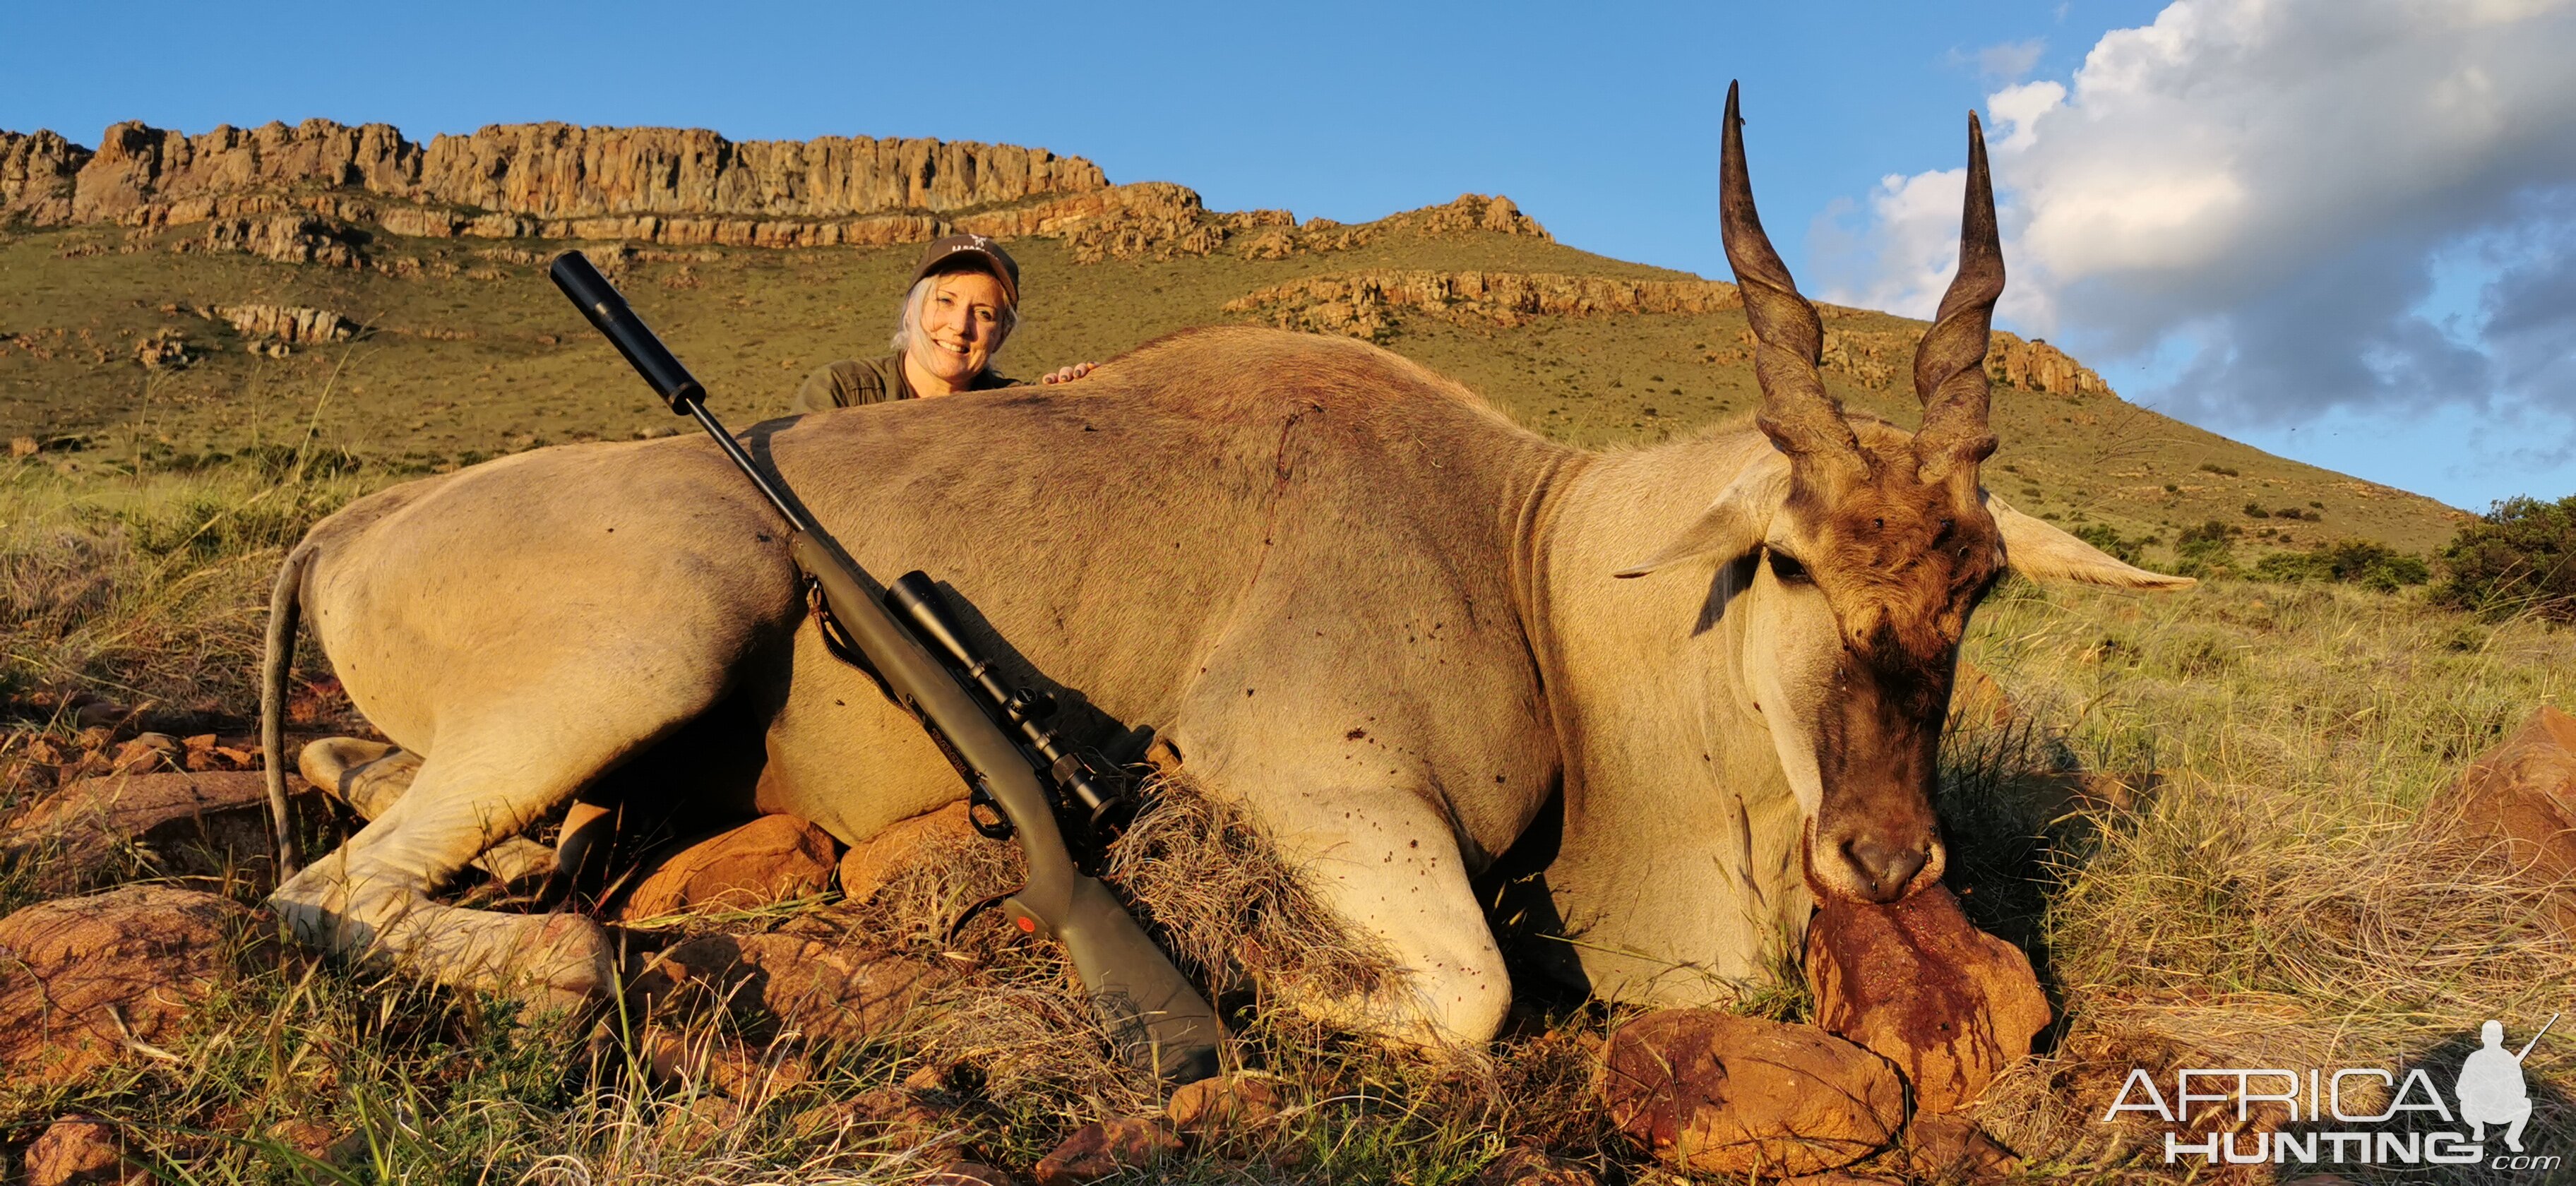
{"x": 873, "y": 863}
{"x": 77, "y": 1149}
{"x": 1914, "y": 982}
{"x": 84, "y": 980}
{"x": 822, "y": 989}
{"x": 2520, "y": 797}
{"x": 1713, "y": 1093}
{"x": 179, "y": 823}
{"x": 1105, "y": 1147}
{"x": 772, "y": 859}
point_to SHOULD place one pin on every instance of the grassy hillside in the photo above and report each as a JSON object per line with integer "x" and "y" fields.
{"x": 471, "y": 353}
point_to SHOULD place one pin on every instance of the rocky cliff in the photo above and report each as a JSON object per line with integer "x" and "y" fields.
{"x": 294, "y": 194}
{"x": 141, "y": 174}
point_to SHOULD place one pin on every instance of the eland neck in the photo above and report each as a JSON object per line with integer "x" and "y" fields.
{"x": 1673, "y": 792}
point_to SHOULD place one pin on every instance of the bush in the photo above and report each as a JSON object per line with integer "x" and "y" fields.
{"x": 2520, "y": 555}
{"x": 2105, "y": 537}
{"x": 2206, "y": 550}
{"x": 2254, "y": 510}
{"x": 2352, "y": 561}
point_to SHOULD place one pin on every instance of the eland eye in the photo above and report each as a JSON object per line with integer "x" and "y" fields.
{"x": 1787, "y": 569}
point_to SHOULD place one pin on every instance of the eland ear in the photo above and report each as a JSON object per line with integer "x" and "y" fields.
{"x": 2041, "y": 552}
{"x": 1732, "y": 525}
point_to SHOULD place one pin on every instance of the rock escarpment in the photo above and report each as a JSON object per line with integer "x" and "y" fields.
{"x": 141, "y": 174}
{"x": 1363, "y": 304}
{"x": 298, "y": 194}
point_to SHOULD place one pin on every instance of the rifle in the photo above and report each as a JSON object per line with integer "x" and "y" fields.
{"x": 1156, "y": 1020}
{"x": 2525, "y": 1052}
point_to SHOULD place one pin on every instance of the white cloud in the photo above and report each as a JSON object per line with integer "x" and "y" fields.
{"x": 2269, "y": 188}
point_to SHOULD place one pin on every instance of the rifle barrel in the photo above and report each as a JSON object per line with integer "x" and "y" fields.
{"x": 2535, "y": 1038}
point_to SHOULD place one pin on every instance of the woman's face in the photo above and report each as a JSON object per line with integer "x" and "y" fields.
{"x": 960, "y": 326}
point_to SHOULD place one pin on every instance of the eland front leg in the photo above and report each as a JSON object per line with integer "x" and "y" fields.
{"x": 1382, "y": 858}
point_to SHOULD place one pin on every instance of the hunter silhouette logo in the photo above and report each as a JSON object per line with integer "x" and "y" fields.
{"x": 2352, "y": 1115}
{"x": 2491, "y": 1089}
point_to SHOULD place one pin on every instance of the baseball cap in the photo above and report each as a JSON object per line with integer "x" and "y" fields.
{"x": 971, "y": 251}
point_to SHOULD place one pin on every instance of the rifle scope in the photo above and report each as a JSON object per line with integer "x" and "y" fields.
{"x": 916, "y": 601}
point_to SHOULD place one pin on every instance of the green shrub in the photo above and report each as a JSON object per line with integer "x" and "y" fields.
{"x": 2351, "y": 561}
{"x": 2107, "y": 538}
{"x": 2520, "y": 555}
{"x": 2206, "y": 550}
{"x": 2254, "y": 510}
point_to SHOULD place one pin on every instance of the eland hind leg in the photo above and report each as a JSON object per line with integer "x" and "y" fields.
{"x": 485, "y": 779}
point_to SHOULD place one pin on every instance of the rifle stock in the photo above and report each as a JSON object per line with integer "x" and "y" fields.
{"x": 1156, "y": 1019}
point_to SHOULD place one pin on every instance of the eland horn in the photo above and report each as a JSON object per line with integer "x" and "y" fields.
{"x": 1798, "y": 414}
{"x": 1950, "y": 361}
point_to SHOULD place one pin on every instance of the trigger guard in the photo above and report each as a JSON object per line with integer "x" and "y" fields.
{"x": 998, "y": 828}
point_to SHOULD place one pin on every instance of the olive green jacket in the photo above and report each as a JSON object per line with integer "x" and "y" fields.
{"x": 851, "y": 382}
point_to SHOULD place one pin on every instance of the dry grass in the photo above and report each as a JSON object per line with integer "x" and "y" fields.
{"x": 2279, "y": 891}
{"x": 148, "y": 588}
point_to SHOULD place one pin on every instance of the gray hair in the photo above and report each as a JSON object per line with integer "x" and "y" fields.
{"x": 919, "y": 298}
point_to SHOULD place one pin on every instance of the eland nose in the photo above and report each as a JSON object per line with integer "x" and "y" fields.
{"x": 1885, "y": 869}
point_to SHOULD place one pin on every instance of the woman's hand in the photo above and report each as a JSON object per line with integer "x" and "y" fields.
{"x": 1071, "y": 373}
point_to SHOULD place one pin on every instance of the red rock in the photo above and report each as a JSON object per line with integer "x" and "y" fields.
{"x": 149, "y": 753}
{"x": 78, "y": 1149}
{"x": 1224, "y": 1105}
{"x": 78, "y": 976}
{"x": 1712, "y": 1093}
{"x": 1954, "y": 1148}
{"x": 772, "y": 859}
{"x": 2520, "y": 797}
{"x": 873, "y": 863}
{"x": 1106, "y": 1147}
{"x": 1950, "y": 1005}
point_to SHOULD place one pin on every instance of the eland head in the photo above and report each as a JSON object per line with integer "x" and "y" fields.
{"x": 1856, "y": 552}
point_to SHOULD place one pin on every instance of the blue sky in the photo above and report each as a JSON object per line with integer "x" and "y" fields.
{"x": 1600, "y": 120}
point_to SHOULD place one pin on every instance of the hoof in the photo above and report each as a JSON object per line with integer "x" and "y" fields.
{"x": 326, "y": 762}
